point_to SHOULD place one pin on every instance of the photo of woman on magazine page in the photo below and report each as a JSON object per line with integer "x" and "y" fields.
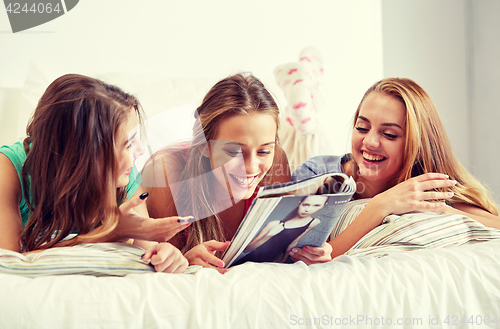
{"x": 275, "y": 240}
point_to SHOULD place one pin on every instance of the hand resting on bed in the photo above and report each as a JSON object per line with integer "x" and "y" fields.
{"x": 203, "y": 254}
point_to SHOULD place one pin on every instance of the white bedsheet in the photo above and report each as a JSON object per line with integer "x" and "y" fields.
{"x": 421, "y": 287}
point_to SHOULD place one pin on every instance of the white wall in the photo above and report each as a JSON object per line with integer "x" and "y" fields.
{"x": 425, "y": 41}
{"x": 452, "y": 48}
{"x": 485, "y": 90}
{"x": 209, "y": 39}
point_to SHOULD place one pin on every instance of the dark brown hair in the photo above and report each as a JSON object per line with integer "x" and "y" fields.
{"x": 70, "y": 170}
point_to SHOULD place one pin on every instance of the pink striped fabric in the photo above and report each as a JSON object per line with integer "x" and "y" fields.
{"x": 413, "y": 231}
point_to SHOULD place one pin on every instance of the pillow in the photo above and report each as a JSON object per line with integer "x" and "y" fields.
{"x": 97, "y": 259}
{"x": 413, "y": 231}
{"x": 351, "y": 211}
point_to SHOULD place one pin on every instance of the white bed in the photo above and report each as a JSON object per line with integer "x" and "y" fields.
{"x": 380, "y": 284}
{"x": 423, "y": 288}
{"x": 450, "y": 278}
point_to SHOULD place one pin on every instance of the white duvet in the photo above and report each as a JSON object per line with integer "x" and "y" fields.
{"x": 456, "y": 287}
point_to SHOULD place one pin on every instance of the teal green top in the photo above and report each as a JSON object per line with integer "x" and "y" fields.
{"x": 17, "y": 156}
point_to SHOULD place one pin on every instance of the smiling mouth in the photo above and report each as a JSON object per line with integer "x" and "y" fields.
{"x": 244, "y": 181}
{"x": 372, "y": 157}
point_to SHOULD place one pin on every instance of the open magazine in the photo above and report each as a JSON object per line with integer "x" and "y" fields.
{"x": 294, "y": 214}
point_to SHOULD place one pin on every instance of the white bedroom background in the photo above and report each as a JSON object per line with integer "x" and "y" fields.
{"x": 451, "y": 47}
{"x": 485, "y": 91}
{"x": 204, "y": 39}
{"x": 426, "y": 41}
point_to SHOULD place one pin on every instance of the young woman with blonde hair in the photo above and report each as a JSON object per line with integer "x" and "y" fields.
{"x": 234, "y": 151}
{"x": 72, "y": 180}
{"x": 402, "y": 159}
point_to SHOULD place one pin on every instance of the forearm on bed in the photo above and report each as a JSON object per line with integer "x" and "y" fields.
{"x": 473, "y": 212}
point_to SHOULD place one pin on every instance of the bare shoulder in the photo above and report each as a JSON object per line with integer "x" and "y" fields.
{"x": 273, "y": 223}
{"x": 11, "y": 185}
{"x": 10, "y": 195}
{"x": 163, "y": 168}
{"x": 315, "y": 222}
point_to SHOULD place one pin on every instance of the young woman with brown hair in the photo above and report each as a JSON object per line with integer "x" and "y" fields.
{"x": 402, "y": 159}
{"x": 234, "y": 151}
{"x": 73, "y": 174}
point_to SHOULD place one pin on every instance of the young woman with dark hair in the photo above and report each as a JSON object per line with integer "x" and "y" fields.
{"x": 74, "y": 174}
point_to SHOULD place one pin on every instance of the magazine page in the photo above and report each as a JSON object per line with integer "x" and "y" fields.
{"x": 328, "y": 217}
{"x": 295, "y": 221}
{"x": 248, "y": 228}
{"x": 293, "y": 214}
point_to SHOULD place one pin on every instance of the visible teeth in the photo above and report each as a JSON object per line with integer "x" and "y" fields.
{"x": 244, "y": 180}
{"x": 372, "y": 157}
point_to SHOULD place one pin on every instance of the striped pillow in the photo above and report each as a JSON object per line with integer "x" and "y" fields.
{"x": 412, "y": 231}
{"x": 98, "y": 259}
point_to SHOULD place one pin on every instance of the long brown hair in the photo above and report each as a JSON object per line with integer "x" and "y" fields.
{"x": 234, "y": 95}
{"x": 70, "y": 170}
{"x": 427, "y": 147}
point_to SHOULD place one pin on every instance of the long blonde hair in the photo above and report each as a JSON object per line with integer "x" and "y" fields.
{"x": 427, "y": 147}
{"x": 234, "y": 95}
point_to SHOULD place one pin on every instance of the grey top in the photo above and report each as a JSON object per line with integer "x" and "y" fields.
{"x": 319, "y": 165}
